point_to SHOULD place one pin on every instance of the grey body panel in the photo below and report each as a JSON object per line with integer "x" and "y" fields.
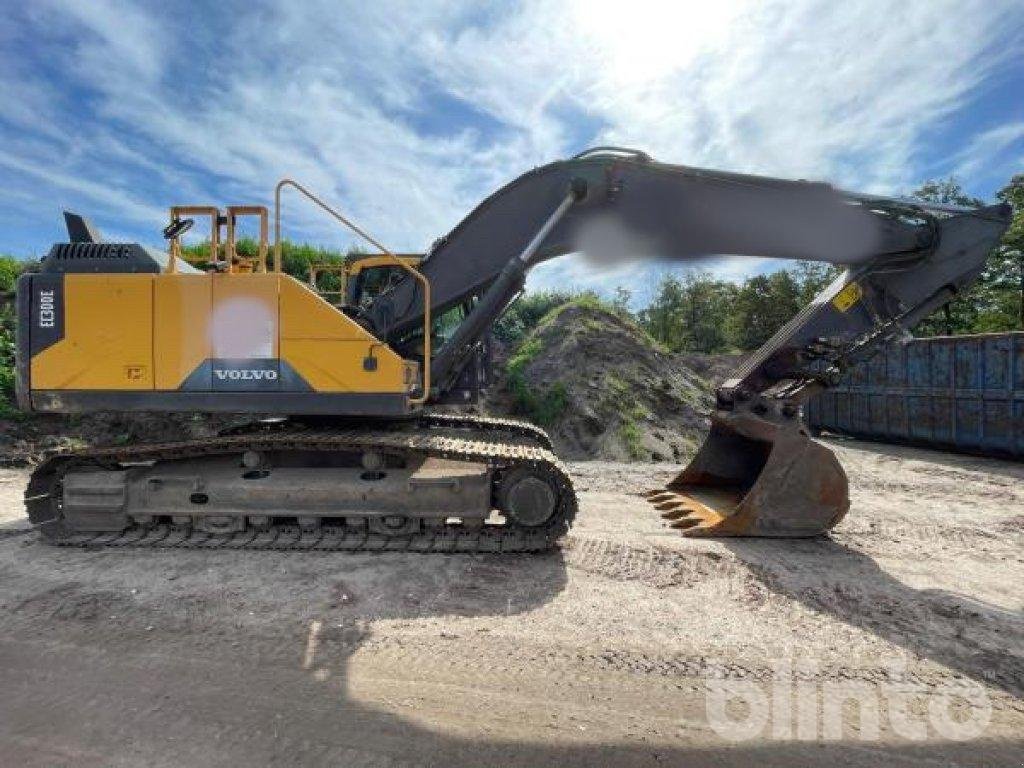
{"x": 118, "y": 257}
{"x": 908, "y": 259}
{"x": 205, "y": 491}
{"x": 162, "y": 258}
{"x": 80, "y": 229}
{"x": 283, "y": 403}
{"x": 223, "y": 375}
{"x": 23, "y": 342}
{"x": 109, "y": 258}
{"x": 44, "y": 310}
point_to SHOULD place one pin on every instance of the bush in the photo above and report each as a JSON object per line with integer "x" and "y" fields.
{"x": 10, "y": 268}
{"x": 296, "y": 258}
{"x": 537, "y": 310}
{"x": 526, "y": 312}
{"x": 541, "y": 407}
{"x": 7, "y": 399}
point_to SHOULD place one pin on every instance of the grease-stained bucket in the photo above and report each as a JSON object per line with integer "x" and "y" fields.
{"x": 752, "y": 477}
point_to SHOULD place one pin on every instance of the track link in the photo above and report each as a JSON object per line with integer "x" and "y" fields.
{"x": 43, "y": 495}
{"x": 471, "y": 421}
{"x": 521, "y": 430}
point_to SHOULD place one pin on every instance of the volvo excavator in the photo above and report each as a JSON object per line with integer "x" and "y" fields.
{"x": 356, "y": 458}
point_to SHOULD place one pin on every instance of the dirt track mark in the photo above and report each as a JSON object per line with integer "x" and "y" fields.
{"x": 651, "y": 565}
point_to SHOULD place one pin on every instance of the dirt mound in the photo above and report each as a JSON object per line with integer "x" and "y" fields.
{"x": 715, "y": 368}
{"x": 604, "y": 389}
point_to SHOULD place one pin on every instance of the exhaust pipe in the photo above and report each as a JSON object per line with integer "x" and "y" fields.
{"x": 754, "y": 477}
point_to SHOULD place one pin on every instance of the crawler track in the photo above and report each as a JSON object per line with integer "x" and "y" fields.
{"x": 440, "y": 436}
{"x": 503, "y": 428}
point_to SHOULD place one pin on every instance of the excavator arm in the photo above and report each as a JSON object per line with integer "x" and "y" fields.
{"x": 758, "y": 473}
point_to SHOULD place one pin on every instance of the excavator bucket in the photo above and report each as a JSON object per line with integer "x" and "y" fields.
{"x": 755, "y": 478}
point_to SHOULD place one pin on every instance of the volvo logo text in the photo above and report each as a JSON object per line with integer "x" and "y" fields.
{"x": 245, "y": 374}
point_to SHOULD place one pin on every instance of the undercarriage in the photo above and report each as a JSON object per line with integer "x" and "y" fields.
{"x": 434, "y": 484}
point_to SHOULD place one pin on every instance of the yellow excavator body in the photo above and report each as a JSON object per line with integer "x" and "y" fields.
{"x": 151, "y": 338}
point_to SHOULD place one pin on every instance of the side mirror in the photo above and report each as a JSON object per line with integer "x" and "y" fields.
{"x": 177, "y": 228}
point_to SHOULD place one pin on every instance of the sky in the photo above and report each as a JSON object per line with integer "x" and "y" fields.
{"x": 406, "y": 115}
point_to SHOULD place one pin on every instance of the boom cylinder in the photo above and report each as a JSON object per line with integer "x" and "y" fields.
{"x": 508, "y": 283}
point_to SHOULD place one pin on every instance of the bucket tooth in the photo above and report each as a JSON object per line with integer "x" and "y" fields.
{"x": 675, "y": 503}
{"x": 675, "y": 514}
{"x": 755, "y": 477}
{"x": 659, "y": 496}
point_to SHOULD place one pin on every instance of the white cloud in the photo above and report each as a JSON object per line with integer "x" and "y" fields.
{"x": 1004, "y": 142}
{"x": 109, "y": 198}
{"x": 808, "y": 89}
{"x": 351, "y": 99}
{"x": 115, "y": 39}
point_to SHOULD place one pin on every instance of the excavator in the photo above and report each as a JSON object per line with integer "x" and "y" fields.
{"x": 343, "y": 448}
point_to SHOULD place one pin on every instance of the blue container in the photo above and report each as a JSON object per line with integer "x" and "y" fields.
{"x": 963, "y": 393}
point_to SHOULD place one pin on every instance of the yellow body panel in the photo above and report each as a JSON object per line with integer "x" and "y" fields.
{"x": 108, "y": 336}
{"x": 181, "y": 328}
{"x": 152, "y": 332}
{"x": 327, "y": 348}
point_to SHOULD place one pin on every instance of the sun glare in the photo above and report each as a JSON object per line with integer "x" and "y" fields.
{"x": 647, "y": 38}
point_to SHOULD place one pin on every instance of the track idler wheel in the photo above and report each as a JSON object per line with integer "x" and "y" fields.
{"x": 527, "y": 498}
{"x": 753, "y": 477}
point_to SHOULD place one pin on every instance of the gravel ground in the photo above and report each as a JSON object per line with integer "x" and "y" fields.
{"x": 629, "y": 646}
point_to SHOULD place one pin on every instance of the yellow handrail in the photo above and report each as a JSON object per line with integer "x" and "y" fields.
{"x": 194, "y": 210}
{"x": 317, "y": 269}
{"x": 397, "y": 261}
{"x": 233, "y": 212}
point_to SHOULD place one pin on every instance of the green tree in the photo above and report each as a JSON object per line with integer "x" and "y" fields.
{"x": 526, "y": 311}
{"x": 996, "y": 300}
{"x": 10, "y": 268}
{"x": 812, "y": 277}
{"x": 946, "y": 192}
{"x": 1007, "y": 263}
{"x": 763, "y": 304}
{"x": 706, "y": 308}
{"x": 620, "y": 302}
{"x": 661, "y": 318}
{"x": 6, "y": 363}
{"x": 690, "y": 314}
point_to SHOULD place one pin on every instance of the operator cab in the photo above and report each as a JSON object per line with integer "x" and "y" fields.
{"x": 355, "y": 283}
